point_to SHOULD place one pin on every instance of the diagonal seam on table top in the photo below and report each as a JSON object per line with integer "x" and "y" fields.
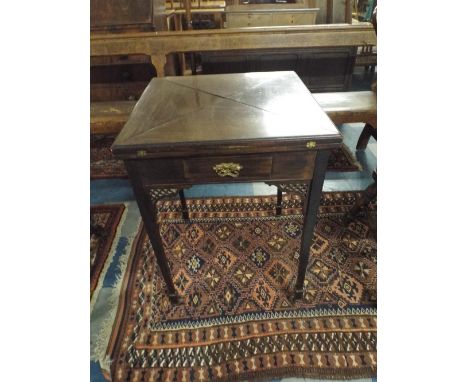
{"x": 184, "y": 115}
{"x": 196, "y": 111}
{"x": 167, "y": 122}
{"x": 225, "y": 97}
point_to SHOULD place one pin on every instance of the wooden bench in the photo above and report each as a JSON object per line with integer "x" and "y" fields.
{"x": 341, "y": 107}
{"x": 163, "y": 45}
{"x": 351, "y": 107}
{"x": 109, "y": 117}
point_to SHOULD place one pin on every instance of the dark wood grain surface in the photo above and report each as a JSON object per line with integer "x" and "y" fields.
{"x": 341, "y": 107}
{"x": 232, "y": 111}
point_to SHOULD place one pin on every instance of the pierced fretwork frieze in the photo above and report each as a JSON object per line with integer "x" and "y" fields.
{"x": 159, "y": 193}
{"x": 292, "y": 188}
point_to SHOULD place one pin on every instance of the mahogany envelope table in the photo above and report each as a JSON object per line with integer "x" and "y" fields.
{"x": 249, "y": 127}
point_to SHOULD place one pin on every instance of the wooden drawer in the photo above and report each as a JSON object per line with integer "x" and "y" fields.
{"x": 228, "y": 168}
{"x": 293, "y": 166}
{"x": 157, "y": 171}
{"x": 225, "y": 169}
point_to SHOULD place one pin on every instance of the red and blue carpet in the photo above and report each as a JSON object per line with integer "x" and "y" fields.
{"x": 234, "y": 265}
{"x": 105, "y": 219}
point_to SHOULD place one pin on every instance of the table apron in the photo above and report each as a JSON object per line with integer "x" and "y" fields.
{"x": 225, "y": 169}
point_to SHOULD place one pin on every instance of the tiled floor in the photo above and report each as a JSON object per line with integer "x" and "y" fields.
{"x": 119, "y": 190}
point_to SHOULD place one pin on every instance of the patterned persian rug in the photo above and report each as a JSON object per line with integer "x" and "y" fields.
{"x": 104, "y": 165}
{"x": 234, "y": 265}
{"x": 107, "y": 219}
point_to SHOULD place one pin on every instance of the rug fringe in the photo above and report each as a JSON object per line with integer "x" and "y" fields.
{"x": 98, "y": 352}
{"x": 109, "y": 259}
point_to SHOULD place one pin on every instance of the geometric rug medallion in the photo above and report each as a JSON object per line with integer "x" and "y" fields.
{"x": 104, "y": 165}
{"x": 107, "y": 219}
{"x": 234, "y": 264}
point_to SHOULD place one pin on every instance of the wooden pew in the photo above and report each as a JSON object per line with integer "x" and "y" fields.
{"x": 349, "y": 107}
{"x": 323, "y": 55}
{"x": 341, "y": 107}
{"x": 109, "y": 117}
{"x": 159, "y": 46}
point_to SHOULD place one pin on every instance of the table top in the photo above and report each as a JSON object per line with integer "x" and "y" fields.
{"x": 234, "y": 111}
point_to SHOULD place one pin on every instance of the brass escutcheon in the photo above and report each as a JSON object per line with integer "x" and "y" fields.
{"x": 311, "y": 144}
{"x": 228, "y": 169}
{"x": 141, "y": 153}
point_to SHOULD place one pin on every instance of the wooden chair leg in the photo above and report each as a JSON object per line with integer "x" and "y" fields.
{"x": 363, "y": 140}
{"x": 183, "y": 203}
{"x": 369, "y": 193}
{"x": 279, "y": 197}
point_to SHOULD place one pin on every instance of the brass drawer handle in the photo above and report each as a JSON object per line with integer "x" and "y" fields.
{"x": 228, "y": 169}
